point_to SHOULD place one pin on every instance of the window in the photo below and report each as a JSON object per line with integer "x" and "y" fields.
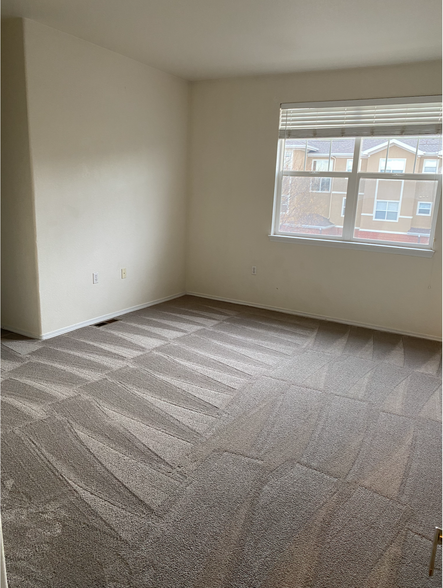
{"x": 430, "y": 166}
{"x": 385, "y": 210}
{"x": 321, "y": 185}
{"x": 322, "y": 165}
{"x": 394, "y": 166}
{"x": 424, "y": 208}
{"x": 356, "y": 172}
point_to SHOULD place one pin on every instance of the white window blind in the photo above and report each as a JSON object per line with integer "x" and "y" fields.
{"x": 362, "y": 118}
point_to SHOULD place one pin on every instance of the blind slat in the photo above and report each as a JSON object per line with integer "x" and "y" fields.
{"x": 361, "y": 121}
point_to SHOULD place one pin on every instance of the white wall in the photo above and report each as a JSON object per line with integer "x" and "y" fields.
{"x": 108, "y": 140}
{"x": 20, "y": 298}
{"x": 106, "y": 173}
{"x": 233, "y": 155}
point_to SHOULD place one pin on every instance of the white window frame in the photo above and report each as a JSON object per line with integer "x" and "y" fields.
{"x": 343, "y": 206}
{"x": 424, "y": 213}
{"x": 354, "y": 177}
{"x": 436, "y": 165}
{"x": 386, "y": 220}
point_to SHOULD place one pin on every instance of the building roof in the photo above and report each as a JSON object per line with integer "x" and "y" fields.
{"x": 314, "y": 220}
{"x": 416, "y": 231}
{"x": 431, "y": 145}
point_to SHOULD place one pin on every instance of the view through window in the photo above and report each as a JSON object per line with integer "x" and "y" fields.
{"x": 382, "y": 189}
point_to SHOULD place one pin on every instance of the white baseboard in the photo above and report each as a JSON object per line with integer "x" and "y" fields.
{"x": 93, "y": 321}
{"x": 111, "y": 315}
{"x": 315, "y": 316}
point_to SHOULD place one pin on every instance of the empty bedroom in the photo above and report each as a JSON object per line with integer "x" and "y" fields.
{"x": 221, "y": 294}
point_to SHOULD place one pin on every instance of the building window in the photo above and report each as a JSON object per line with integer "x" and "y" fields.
{"x": 322, "y": 165}
{"x": 320, "y": 184}
{"x": 338, "y": 148}
{"x": 424, "y": 208}
{"x": 393, "y": 166}
{"x": 430, "y": 166}
{"x": 385, "y": 210}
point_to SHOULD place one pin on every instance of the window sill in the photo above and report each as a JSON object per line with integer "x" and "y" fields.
{"x": 380, "y": 248}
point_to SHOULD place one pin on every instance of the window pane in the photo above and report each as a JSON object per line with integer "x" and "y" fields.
{"x": 306, "y": 210}
{"x": 325, "y": 184}
{"x": 294, "y": 154}
{"x": 430, "y": 166}
{"x": 400, "y": 152}
{"x": 424, "y": 208}
{"x": 388, "y": 210}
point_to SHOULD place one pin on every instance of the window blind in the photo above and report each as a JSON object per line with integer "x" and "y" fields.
{"x": 354, "y": 119}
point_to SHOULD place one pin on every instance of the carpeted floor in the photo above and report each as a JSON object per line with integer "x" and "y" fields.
{"x": 200, "y": 444}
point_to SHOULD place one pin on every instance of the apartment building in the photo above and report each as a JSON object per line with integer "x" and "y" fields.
{"x": 395, "y": 210}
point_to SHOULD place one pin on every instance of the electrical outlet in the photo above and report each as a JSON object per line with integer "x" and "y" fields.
{"x": 123, "y": 273}
{"x": 95, "y": 278}
{"x": 254, "y": 270}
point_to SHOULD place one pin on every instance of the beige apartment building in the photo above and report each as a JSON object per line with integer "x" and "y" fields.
{"x": 392, "y": 209}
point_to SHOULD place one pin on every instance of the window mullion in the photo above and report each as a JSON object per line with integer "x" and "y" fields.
{"x": 415, "y": 157}
{"x": 387, "y": 155}
{"x": 352, "y": 195}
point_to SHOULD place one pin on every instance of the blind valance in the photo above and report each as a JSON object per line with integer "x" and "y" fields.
{"x": 361, "y": 119}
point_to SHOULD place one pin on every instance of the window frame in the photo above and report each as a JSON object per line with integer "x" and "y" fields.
{"x": 386, "y": 220}
{"x": 421, "y": 213}
{"x": 347, "y": 239}
{"x": 424, "y": 164}
{"x": 353, "y": 178}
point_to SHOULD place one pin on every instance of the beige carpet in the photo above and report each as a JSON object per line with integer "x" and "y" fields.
{"x": 199, "y": 444}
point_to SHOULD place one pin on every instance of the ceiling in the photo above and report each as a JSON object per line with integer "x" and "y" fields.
{"x": 200, "y": 39}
